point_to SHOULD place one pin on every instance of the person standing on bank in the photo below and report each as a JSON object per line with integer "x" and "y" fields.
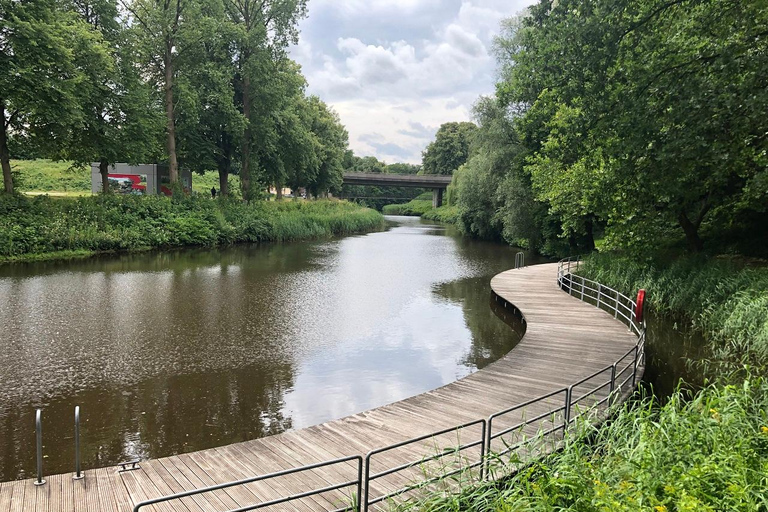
{"x": 213, "y": 192}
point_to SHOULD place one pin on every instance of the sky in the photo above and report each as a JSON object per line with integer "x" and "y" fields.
{"x": 395, "y": 70}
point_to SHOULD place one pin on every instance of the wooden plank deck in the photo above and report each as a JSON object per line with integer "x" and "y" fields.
{"x": 565, "y": 341}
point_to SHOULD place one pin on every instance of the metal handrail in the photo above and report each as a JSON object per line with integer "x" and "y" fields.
{"x": 358, "y": 482}
{"x": 369, "y": 477}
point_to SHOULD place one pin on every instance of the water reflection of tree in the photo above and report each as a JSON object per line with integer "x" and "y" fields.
{"x": 492, "y": 337}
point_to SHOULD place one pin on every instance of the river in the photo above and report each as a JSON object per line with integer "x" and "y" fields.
{"x": 178, "y": 351}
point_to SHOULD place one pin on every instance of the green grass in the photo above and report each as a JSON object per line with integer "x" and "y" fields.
{"x": 703, "y": 453}
{"x": 202, "y": 183}
{"x": 46, "y": 228}
{"x": 447, "y": 214}
{"x": 421, "y": 206}
{"x": 415, "y": 208}
{"x": 49, "y": 176}
{"x": 726, "y": 299}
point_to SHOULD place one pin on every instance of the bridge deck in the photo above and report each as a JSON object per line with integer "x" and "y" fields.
{"x": 565, "y": 341}
{"x": 397, "y": 180}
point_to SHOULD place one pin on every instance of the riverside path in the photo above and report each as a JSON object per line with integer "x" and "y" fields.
{"x": 566, "y": 341}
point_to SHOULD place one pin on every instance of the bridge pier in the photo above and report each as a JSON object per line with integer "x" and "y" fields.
{"x": 437, "y": 197}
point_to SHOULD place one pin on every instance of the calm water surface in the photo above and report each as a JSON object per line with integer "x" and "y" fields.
{"x": 173, "y": 352}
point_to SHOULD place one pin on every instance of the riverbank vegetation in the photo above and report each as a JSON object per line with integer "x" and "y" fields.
{"x": 695, "y": 453}
{"x": 724, "y": 298}
{"x": 46, "y": 228}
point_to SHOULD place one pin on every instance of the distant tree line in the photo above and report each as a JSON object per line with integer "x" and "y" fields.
{"x": 199, "y": 84}
{"x": 630, "y": 122}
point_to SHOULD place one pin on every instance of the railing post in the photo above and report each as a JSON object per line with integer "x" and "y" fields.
{"x": 482, "y": 449}
{"x": 599, "y": 293}
{"x": 583, "y": 285}
{"x": 367, "y": 483}
{"x": 78, "y": 475}
{"x": 613, "y": 386}
{"x": 567, "y": 419}
{"x": 360, "y": 485}
{"x": 39, "y": 438}
{"x": 634, "y": 370}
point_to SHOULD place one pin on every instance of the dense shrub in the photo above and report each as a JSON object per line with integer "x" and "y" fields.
{"x": 31, "y": 227}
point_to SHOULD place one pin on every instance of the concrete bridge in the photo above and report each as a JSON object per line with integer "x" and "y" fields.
{"x": 437, "y": 183}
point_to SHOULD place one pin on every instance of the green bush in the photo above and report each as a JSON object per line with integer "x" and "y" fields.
{"x": 33, "y": 228}
{"x": 447, "y": 214}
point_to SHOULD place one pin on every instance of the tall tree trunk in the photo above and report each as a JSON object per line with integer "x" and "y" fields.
{"x": 173, "y": 166}
{"x": 589, "y": 238}
{"x": 5, "y": 155}
{"x": 245, "y": 169}
{"x": 224, "y": 178}
{"x": 278, "y": 191}
{"x": 104, "y": 170}
{"x": 691, "y": 230}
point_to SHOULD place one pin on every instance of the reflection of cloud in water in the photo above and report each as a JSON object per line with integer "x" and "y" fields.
{"x": 412, "y": 352}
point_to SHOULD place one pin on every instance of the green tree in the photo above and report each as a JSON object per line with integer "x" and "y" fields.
{"x": 210, "y": 123}
{"x": 166, "y": 31}
{"x": 403, "y": 168}
{"x": 333, "y": 142}
{"x": 369, "y": 164}
{"x": 449, "y": 150}
{"x": 267, "y": 28}
{"x": 39, "y": 77}
{"x": 119, "y": 120}
{"x": 643, "y": 116}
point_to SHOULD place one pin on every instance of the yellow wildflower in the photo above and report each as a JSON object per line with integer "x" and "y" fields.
{"x": 715, "y": 414}
{"x": 660, "y": 508}
{"x": 764, "y": 430}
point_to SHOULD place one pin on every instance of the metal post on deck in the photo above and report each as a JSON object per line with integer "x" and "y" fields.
{"x": 634, "y": 371}
{"x": 599, "y": 293}
{"x": 39, "y": 438}
{"x": 78, "y": 474}
{"x": 567, "y": 421}
{"x": 612, "y": 399}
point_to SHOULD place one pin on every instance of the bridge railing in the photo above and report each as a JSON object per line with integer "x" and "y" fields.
{"x": 483, "y": 449}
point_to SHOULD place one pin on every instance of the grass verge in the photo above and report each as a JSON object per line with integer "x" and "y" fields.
{"x": 44, "y": 228}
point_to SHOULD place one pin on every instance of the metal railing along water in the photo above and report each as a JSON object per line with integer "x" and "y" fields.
{"x": 589, "y": 399}
{"x": 357, "y": 482}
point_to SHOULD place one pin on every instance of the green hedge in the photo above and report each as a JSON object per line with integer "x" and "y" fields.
{"x": 39, "y": 227}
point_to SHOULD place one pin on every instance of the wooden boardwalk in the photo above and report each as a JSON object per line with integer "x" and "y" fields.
{"x": 565, "y": 341}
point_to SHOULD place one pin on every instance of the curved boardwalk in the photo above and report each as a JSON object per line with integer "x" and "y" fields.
{"x": 565, "y": 341}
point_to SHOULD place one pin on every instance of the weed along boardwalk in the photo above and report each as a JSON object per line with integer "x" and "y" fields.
{"x": 575, "y": 360}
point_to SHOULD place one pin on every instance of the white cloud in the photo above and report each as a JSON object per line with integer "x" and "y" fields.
{"x": 386, "y": 64}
